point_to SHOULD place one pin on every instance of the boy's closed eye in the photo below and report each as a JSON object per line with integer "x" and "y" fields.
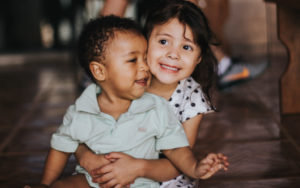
{"x": 132, "y": 60}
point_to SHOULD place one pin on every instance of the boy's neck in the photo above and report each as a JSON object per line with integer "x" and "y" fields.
{"x": 164, "y": 90}
{"x": 113, "y": 106}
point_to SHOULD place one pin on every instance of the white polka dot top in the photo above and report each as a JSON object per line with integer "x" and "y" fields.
{"x": 188, "y": 100}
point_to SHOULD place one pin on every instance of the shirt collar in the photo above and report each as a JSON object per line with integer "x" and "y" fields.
{"x": 88, "y": 102}
{"x": 144, "y": 103}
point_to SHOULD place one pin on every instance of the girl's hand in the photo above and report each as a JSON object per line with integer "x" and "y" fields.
{"x": 123, "y": 170}
{"x": 210, "y": 165}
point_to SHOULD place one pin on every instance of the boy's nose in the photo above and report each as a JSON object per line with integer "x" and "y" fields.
{"x": 144, "y": 66}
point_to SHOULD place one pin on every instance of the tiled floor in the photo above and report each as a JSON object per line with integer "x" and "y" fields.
{"x": 34, "y": 97}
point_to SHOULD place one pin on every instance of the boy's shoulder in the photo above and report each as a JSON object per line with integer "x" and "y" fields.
{"x": 148, "y": 101}
{"x": 154, "y": 98}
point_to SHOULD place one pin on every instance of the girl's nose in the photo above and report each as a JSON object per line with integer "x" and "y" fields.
{"x": 173, "y": 53}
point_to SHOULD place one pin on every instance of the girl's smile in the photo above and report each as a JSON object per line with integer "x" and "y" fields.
{"x": 169, "y": 68}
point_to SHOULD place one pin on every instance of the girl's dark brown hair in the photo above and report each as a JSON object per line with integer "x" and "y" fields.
{"x": 190, "y": 15}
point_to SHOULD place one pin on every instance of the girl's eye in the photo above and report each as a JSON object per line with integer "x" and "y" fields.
{"x": 187, "y": 47}
{"x": 163, "y": 42}
{"x": 132, "y": 60}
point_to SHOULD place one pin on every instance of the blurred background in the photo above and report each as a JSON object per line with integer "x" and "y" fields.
{"x": 36, "y": 25}
{"x": 40, "y": 78}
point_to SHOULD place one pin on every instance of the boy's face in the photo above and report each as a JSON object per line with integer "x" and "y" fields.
{"x": 125, "y": 61}
{"x": 172, "y": 52}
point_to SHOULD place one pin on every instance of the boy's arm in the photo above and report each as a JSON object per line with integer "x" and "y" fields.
{"x": 55, "y": 163}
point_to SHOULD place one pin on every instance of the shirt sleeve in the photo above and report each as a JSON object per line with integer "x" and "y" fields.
{"x": 171, "y": 133}
{"x": 195, "y": 104}
{"x": 63, "y": 139}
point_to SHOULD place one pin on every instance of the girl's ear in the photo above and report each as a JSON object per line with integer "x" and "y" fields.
{"x": 98, "y": 70}
{"x": 199, "y": 59}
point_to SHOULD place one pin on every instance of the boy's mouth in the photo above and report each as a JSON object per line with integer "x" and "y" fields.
{"x": 169, "y": 68}
{"x": 143, "y": 82}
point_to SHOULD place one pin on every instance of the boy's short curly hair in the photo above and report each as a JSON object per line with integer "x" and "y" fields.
{"x": 97, "y": 34}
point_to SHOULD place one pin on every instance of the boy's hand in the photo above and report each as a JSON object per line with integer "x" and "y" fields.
{"x": 210, "y": 165}
{"x": 91, "y": 161}
{"x": 123, "y": 170}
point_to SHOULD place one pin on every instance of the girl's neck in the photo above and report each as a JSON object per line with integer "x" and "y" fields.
{"x": 164, "y": 90}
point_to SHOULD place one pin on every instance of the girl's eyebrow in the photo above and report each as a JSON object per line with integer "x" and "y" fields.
{"x": 189, "y": 40}
{"x": 168, "y": 35}
{"x": 164, "y": 34}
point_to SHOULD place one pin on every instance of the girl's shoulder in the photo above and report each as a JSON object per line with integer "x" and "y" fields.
{"x": 188, "y": 100}
{"x": 187, "y": 87}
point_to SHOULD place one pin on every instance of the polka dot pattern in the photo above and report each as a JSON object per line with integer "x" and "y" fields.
{"x": 188, "y": 100}
{"x": 180, "y": 181}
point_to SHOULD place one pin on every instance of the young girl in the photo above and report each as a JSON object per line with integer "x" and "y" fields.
{"x": 183, "y": 68}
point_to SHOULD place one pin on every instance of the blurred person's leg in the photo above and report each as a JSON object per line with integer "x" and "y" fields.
{"x": 115, "y": 7}
{"x": 230, "y": 73}
{"x": 217, "y": 12}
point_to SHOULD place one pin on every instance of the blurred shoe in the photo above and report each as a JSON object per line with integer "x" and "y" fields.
{"x": 238, "y": 73}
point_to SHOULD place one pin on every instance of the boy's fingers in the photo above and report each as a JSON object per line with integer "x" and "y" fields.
{"x": 103, "y": 179}
{"x": 113, "y": 155}
{"x": 111, "y": 183}
{"x": 99, "y": 171}
{"x": 118, "y": 186}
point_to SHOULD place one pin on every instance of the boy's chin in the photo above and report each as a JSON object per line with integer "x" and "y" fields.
{"x": 137, "y": 95}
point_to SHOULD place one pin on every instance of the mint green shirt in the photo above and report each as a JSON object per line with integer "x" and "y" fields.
{"x": 147, "y": 127}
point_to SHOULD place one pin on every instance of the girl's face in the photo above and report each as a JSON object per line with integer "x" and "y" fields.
{"x": 172, "y": 52}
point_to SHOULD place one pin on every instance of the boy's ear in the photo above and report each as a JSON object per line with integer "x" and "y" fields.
{"x": 98, "y": 70}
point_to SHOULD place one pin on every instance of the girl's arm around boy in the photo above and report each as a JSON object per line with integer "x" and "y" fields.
{"x": 124, "y": 169}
